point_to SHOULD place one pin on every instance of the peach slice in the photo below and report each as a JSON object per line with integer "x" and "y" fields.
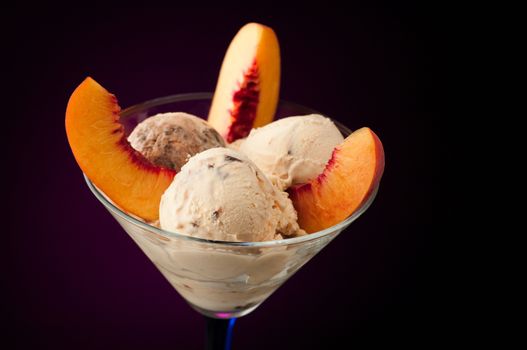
{"x": 246, "y": 95}
{"x": 350, "y": 176}
{"x": 99, "y": 145}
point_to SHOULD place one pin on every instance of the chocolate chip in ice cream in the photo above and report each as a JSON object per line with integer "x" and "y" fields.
{"x": 216, "y": 213}
{"x": 232, "y": 159}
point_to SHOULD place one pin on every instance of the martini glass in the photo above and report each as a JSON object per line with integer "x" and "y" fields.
{"x": 221, "y": 280}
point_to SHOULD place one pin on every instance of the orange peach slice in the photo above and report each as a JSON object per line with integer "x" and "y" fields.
{"x": 246, "y": 95}
{"x": 99, "y": 145}
{"x": 350, "y": 176}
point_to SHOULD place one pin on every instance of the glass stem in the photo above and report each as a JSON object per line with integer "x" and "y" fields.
{"x": 219, "y": 333}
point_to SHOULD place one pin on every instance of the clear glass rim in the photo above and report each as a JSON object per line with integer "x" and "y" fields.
{"x": 169, "y": 234}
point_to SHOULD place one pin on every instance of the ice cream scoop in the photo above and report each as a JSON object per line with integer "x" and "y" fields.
{"x": 292, "y": 150}
{"x": 221, "y": 195}
{"x": 170, "y": 139}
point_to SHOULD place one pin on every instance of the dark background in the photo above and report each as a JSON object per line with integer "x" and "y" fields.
{"x": 74, "y": 279}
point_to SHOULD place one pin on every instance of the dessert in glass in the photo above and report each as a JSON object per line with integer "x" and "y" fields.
{"x": 229, "y": 208}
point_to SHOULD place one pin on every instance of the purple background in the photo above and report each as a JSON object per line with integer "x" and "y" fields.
{"x": 74, "y": 279}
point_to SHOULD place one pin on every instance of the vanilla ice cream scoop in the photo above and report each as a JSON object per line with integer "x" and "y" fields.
{"x": 170, "y": 139}
{"x": 221, "y": 195}
{"x": 292, "y": 150}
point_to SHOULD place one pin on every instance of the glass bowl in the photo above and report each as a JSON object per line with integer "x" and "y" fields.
{"x": 220, "y": 279}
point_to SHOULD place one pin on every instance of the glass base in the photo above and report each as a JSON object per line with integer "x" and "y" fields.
{"x": 222, "y": 315}
{"x": 219, "y": 333}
